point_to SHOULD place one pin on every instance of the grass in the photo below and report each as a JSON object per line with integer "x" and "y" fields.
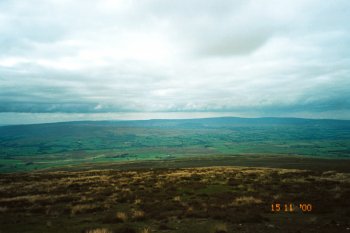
{"x": 175, "y": 176}
{"x": 121, "y": 217}
{"x": 131, "y": 201}
{"x": 246, "y": 200}
{"x": 220, "y": 228}
{"x": 146, "y": 230}
{"x": 45, "y": 146}
{"x": 83, "y": 208}
{"x": 99, "y": 230}
{"x": 138, "y": 215}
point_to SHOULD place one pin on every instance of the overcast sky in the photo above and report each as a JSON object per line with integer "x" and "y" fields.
{"x": 87, "y": 58}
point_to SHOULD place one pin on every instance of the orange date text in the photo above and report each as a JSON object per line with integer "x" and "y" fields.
{"x": 290, "y": 207}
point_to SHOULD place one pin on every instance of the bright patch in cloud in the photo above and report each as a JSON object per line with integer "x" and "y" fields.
{"x": 256, "y": 58}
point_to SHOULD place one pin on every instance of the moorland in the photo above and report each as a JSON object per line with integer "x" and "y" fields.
{"x": 214, "y": 175}
{"x": 204, "y": 200}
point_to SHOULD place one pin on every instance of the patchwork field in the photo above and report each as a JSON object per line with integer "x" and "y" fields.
{"x": 197, "y": 176}
{"x": 207, "y": 199}
{"x": 44, "y": 146}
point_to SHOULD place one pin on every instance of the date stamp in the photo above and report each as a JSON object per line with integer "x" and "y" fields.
{"x": 291, "y": 207}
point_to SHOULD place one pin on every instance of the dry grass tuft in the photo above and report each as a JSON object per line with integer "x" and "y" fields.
{"x": 137, "y": 201}
{"x": 246, "y": 200}
{"x": 138, "y": 215}
{"x": 220, "y": 228}
{"x": 78, "y": 209}
{"x": 99, "y": 230}
{"x": 190, "y": 209}
{"x": 121, "y": 217}
{"x": 146, "y": 230}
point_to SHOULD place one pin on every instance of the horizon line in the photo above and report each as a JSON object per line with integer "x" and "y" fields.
{"x": 177, "y": 119}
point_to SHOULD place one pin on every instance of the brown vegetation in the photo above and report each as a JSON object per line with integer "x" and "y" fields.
{"x": 171, "y": 200}
{"x": 99, "y": 230}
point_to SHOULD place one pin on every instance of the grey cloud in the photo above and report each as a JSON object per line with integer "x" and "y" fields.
{"x": 216, "y": 28}
{"x": 23, "y": 107}
{"x": 212, "y": 56}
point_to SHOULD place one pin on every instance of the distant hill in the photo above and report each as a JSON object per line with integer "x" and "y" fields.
{"x": 56, "y": 144}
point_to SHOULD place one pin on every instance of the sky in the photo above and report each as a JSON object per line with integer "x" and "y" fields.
{"x": 126, "y": 59}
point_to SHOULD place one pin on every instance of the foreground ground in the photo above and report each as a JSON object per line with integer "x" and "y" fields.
{"x": 203, "y": 199}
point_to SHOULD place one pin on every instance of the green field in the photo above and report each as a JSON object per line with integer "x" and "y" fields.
{"x": 217, "y": 175}
{"x": 55, "y": 145}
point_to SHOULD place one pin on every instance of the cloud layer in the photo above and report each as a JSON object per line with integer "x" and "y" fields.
{"x": 87, "y": 56}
